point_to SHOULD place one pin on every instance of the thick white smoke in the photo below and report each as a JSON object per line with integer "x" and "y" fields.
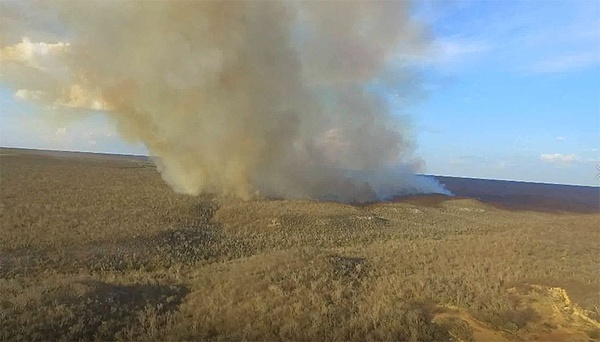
{"x": 231, "y": 97}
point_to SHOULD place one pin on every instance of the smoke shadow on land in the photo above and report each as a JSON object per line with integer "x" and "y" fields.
{"x": 387, "y": 185}
{"x": 519, "y": 196}
{"x": 95, "y": 310}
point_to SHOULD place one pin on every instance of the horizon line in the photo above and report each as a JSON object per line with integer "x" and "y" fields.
{"x": 418, "y": 174}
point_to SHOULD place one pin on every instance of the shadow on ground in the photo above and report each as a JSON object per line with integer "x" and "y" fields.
{"x": 91, "y": 310}
{"x": 198, "y": 241}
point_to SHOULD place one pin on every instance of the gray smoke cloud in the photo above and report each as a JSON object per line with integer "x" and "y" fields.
{"x": 240, "y": 98}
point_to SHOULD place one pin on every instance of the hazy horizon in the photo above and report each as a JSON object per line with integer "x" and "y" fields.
{"x": 418, "y": 174}
{"x": 502, "y": 91}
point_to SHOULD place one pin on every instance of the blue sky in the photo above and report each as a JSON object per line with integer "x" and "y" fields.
{"x": 511, "y": 91}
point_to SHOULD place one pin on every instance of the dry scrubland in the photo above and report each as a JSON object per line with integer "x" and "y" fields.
{"x": 93, "y": 247}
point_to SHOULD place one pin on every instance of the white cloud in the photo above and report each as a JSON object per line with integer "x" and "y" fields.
{"x": 80, "y": 97}
{"x": 458, "y": 161}
{"x": 58, "y": 84}
{"x": 561, "y": 138}
{"x": 568, "y": 62}
{"x": 32, "y": 54}
{"x": 455, "y": 50}
{"x": 558, "y": 158}
{"x": 470, "y": 160}
{"x": 430, "y": 129}
{"x": 26, "y": 94}
{"x": 60, "y": 132}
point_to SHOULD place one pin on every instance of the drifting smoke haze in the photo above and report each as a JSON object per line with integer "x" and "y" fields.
{"x": 236, "y": 98}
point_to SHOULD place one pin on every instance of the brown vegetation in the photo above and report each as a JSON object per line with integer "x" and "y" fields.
{"x": 93, "y": 247}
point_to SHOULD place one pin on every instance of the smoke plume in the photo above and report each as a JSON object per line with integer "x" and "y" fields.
{"x": 240, "y": 98}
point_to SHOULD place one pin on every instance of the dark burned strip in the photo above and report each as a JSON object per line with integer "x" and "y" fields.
{"x": 89, "y": 310}
{"x": 197, "y": 241}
